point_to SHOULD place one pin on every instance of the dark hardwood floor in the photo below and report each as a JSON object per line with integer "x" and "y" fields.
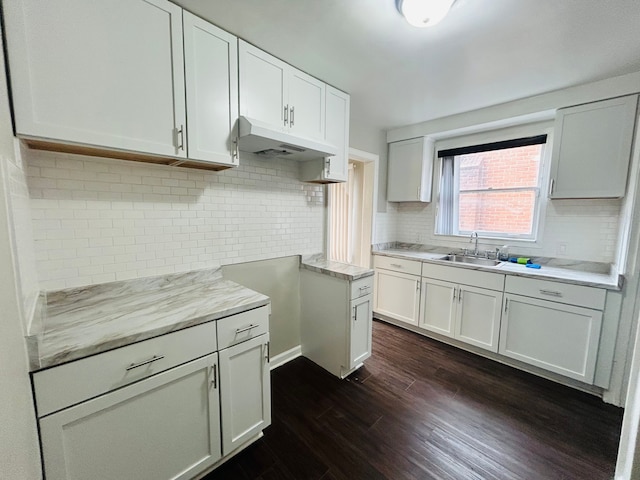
{"x": 419, "y": 409}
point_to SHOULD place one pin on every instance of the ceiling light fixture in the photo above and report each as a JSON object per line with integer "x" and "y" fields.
{"x": 424, "y": 13}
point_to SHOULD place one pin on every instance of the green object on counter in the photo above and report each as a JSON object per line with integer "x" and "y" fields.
{"x": 523, "y": 260}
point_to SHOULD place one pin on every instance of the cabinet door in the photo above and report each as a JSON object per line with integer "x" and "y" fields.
{"x": 164, "y": 427}
{"x": 337, "y": 133}
{"x": 397, "y": 295}
{"x": 104, "y": 73}
{"x": 263, "y": 83}
{"x": 306, "y": 105}
{"x": 592, "y": 149}
{"x": 245, "y": 391}
{"x": 437, "y": 306}
{"x": 211, "y": 78}
{"x": 361, "y": 330}
{"x": 410, "y": 168}
{"x": 478, "y": 314}
{"x": 557, "y": 337}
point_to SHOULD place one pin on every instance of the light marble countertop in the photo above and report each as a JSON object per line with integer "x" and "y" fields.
{"x": 79, "y": 322}
{"x": 591, "y": 275}
{"x": 335, "y": 269}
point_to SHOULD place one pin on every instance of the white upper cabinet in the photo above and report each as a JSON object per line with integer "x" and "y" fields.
{"x": 102, "y": 73}
{"x": 592, "y": 148}
{"x": 306, "y": 105}
{"x": 410, "y": 170}
{"x": 332, "y": 169}
{"x": 124, "y": 75}
{"x": 280, "y": 96}
{"x": 263, "y": 83}
{"x": 211, "y": 77}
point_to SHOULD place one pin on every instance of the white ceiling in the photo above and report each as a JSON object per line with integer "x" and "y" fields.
{"x": 485, "y": 52}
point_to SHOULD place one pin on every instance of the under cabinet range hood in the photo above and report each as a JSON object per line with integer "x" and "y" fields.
{"x": 262, "y": 139}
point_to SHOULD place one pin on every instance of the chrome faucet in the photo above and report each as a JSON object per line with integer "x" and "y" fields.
{"x": 475, "y": 251}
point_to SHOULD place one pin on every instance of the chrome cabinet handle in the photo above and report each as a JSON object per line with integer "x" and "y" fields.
{"x": 355, "y": 315}
{"x": 551, "y": 185}
{"x": 506, "y": 305}
{"x": 291, "y": 116}
{"x": 418, "y": 193}
{"x": 214, "y": 371}
{"x": 246, "y": 329}
{"x": 397, "y": 265}
{"x": 459, "y": 295}
{"x": 553, "y": 293}
{"x": 235, "y": 153}
{"x": 267, "y": 355}
{"x": 328, "y": 164}
{"x": 286, "y": 115}
{"x": 366, "y": 287}
{"x": 180, "y": 138}
{"x": 155, "y": 358}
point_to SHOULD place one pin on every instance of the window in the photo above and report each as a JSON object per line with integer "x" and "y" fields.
{"x": 492, "y": 189}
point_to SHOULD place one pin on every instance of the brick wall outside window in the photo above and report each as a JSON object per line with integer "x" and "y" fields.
{"x": 495, "y": 211}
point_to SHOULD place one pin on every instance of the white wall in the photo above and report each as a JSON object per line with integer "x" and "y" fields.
{"x": 97, "y": 220}
{"x": 19, "y": 449}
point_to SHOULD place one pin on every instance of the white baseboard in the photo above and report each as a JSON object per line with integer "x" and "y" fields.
{"x": 285, "y": 357}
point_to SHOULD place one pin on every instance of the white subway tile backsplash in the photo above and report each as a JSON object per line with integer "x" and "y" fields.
{"x": 97, "y": 219}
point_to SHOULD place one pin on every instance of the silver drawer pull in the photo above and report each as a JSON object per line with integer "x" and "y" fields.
{"x": 397, "y": 265}
{"x": 246, "y": 329}
{"x": 553, "y": 293}
{"x": 155, "y": 358}
{"x": 366, "y": 287}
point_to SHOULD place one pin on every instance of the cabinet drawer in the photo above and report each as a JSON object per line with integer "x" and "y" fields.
{"x": 464, "y": 276}
{"x": 412, "y": 267}
{"x": 361, "y": 287}
{"x": 244, "y": 326}
{"x": 579, "y": 295}
{"x": 68, "y": 384}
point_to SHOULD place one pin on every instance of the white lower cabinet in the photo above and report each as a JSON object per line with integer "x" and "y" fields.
{"x": 397, "y": 295}
{"x": 164, "y": 427}
{"x": 335, "y": 333}
{"x": 438, "y": 306}
{"x": 551, "y": 335}
{"x": 468, "y": 314}
{"x": 361, "y": 330}
{"x": 169, "y": 407}
{"x": 245, "y": 391}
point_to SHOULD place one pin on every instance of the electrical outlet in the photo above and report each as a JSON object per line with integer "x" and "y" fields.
{"x": 562, "y": 249}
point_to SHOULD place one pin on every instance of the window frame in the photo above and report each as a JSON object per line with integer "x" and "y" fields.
{"x": 478, "y": 138}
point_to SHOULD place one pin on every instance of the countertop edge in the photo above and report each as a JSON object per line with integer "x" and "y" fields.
{"x": 327, "y": 270}
{"x": 59, "y": 359}
{"x": 615, "y": 285}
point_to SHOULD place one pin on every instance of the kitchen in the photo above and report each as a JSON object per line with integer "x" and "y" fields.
{"x": 77, "y": 220}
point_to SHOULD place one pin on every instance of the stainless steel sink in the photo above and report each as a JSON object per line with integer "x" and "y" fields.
{"x": 486, "y": 262}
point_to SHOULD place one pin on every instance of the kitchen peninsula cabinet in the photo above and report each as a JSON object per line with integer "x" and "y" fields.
{"x": 592, "y": 149}
{"x": 279, "y": 95}
{"x": 336, "y": 318}
{"x": 117, "y": 78}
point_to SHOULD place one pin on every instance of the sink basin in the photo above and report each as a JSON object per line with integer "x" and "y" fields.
{"x": 485, "y": 262}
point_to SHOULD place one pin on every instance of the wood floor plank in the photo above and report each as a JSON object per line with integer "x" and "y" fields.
{"x": 422, "y": 410}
